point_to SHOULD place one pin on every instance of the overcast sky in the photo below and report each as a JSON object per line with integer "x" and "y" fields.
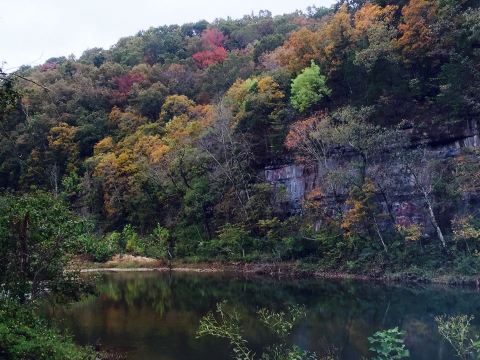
{"x": 32, "y": 31}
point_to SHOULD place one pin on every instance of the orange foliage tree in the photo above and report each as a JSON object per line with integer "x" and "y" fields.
{"x": 417, "y": 31}
{"x": 298, "y": 51}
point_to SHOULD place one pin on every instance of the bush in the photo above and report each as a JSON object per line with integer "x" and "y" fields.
{"x": 105, "y": 248}
{"x": 459, "y": 333}
{"x": 467, "y": 265}
{"x": 226, "y": 324}
{"x": 388, "y": 345}
{"x": 188, "y": 238}
{"x": 100, "y": 248}
{"x": 23, "y": 335}
{"x": 157, "y": 243}
{"x": 130, "y": 241}
{"x": 233, "y": 241}
{"x": 37, "y": 236}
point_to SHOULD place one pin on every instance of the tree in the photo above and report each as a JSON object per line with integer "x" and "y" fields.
{"x": 231, "y": 156}
{"x": 149, "y": 101}
{"x": 124, "y": 85}
{"x": 335, "y": 41}
{"x": 61, "y": 140}
{"x": 37, "y": 234}
{"x": 360, "y": 219}
{"x": 213, "y": 51}
{"x": 375, "y": 35}
{"x": 298, "y": 51}
{"x": 256, "y": 105}
{"x": 175, "y": 105}
{"x": 266, "y": 44}
{"x": 309, "y": 88}
{"x": 126, "y": 122}
{"x": 421, "y": 171}
{"x": 8, "y": 95}
{"x": 417, "y": 32}
{"x": 348, "y": 152}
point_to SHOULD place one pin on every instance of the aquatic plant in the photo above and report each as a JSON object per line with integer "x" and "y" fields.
{"x": 226, "y": 324}
{"x": 388, "y": 344}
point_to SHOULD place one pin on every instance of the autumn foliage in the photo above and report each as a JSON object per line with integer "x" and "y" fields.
{"x": 214, "y": 52}
{"x": 300, "y": 123}
{"x": 417, "y": 28}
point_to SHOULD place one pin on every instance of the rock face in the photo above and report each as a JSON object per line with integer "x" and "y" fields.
{"x": 289, "y": 179}
{"x": 295, "y": 181}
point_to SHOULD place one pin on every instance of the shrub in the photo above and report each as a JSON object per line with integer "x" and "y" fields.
{"x": 233, "y": 241}
{"x": 157, "y": 243}
{"x": 388, "y": 345}
{"x": 131, "y": 240}
{"x": 37, "y": 236}
{"x": 226, "y": 324}
{"x": 458, "y": 332}
{"x": 105, "y": 248}
{"x": 23, "y": 335}
{"x": 467, "y": 265}
{"x": 100, "y": 248}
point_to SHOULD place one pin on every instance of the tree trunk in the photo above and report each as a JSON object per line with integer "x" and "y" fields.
{"x": 433, "y": 219}
{"x": 377, "y": 229}
{"x": 21, "y": 228}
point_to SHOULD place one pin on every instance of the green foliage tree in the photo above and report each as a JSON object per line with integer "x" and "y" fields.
{"x": 37, "y": 234}
{"x": 123, "y": 128}
{"x": 8, "y": 95}
{"x": 309, "y": 88}
{"x": 233, "y": 240}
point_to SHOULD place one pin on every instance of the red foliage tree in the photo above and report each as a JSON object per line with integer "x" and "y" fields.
{"x": 212, "y": 38}
{"x": 209, "y": 57}
{"x": 214, "y": 52}
{"x": 48, "y": 66}
{"x": 125, "y": 82}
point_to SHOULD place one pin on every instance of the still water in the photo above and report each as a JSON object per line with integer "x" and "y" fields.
{"x": 156, "y": 315}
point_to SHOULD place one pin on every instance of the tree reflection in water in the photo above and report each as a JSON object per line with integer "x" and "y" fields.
{"x": 156, "y": 315}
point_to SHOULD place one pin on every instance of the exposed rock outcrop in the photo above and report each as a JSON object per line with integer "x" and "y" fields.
{"x": 296, "y": 181}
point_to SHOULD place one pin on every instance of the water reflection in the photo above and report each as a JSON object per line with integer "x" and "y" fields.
{"x": 156, "y": 315}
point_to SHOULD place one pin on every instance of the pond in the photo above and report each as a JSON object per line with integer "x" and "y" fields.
{"x": 156, "y": 315}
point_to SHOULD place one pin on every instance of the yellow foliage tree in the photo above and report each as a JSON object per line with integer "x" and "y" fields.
{"x": 61, "y": 139}
{"x": 335, "y": 40}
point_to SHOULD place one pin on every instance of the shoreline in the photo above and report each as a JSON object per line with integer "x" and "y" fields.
{"x": 130, "y": 263}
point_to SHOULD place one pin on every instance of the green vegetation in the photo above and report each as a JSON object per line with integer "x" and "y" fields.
{"x": 388, "y": 344}
{"x": 37, "y": 236}
{"x": 227, "y": 324}
{"x": 458, "y": 332}
{"x": 151, "y": 134}
{"x": 161, "y": 146}
{"x": 308, "y": 88}
{"x": 163, "y": 141}
{"x": 23, "y": 335}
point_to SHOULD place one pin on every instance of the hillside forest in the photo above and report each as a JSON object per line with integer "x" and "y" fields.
{"x": 160, "y": 145}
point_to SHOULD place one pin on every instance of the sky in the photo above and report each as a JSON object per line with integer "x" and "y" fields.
{"x": 33, "y": 31}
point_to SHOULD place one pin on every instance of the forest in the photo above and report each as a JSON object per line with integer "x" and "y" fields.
{"x": 161, "y": 146}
